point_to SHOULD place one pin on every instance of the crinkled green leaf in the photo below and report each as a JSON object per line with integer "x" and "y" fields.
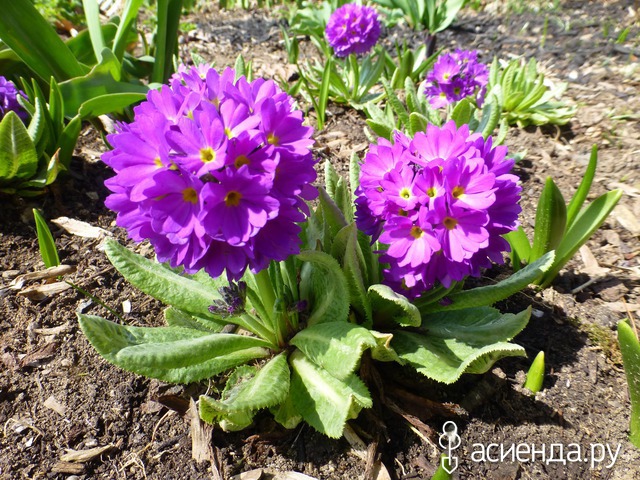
{"x": 391, "y": 308}
{"x": 464, "y": 341}
{"x": 178, "y": 318}
{"x": 163, "y": 284}
{"x": 248, "y": 389}
{"x": 335, "y": 346}
{"x": 323, "y": 401}
{"x": 172, "y": 354}
{"x": 491, "y": 294}
{"x": 325, "y": 288}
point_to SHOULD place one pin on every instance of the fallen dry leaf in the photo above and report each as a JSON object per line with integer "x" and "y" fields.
{"x": 81, "y": 456}
{"x": 79, "y": 228}
{"x": 40, "y": 292}
{"x": 53, "y": 404}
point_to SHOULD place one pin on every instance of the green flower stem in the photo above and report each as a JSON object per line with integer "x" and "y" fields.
{"x": 255, "y": 326}
{"x": 268, "y": 297}
{"x": 354, "y": 75}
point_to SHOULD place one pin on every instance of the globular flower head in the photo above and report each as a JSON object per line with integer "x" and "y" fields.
{"x": 9, "y": 94}
{"x": 456, "y": 76}
{"x": 214, "y": 171}
{"x": 441, "y": 202}
{"x": 353, "y": 28}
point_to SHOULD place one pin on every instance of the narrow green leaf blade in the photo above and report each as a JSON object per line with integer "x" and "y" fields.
{"x": 630, "y": 349}
{"x": 583, "y": 189}
{"x": 46, "y": 244}
{"x": 551, "y": 220}
{"x": 391, "y": 308}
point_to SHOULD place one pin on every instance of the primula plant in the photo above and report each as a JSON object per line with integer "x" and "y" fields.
{"x": 279, "y": 302}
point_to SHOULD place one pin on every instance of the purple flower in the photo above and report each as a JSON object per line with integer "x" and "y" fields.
{"x": 440, "y": 202}
{"x": 456, "y": 76}
{"x": 9, "y": 94}
{"x": 214, "y": 171}
{"x": 353, "y": 28}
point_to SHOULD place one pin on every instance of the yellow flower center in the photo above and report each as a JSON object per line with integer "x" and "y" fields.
{"x": 190, "y": 195}
{"x": 227, "y": 132}
{"x": 207, "y": 155}
{"x": 405, "y": 193}
{"x": 431, "y": 192}
{"x": 450, "y": 223}
{"x": 232, "y": 199}
{"x": 157, "y": 162}
{"x": 272, "y": 139}
{"x": 241, "y": 160}
{"x": 457, "y": 192}
{"x": 416, "y": 232}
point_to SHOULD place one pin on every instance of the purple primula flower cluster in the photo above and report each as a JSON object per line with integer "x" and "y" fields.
{"x": 9, "y": 94}
{"x": 456, "y": 76}
{"x": 353, "y": 28}
{"x": 441, "y": 202}
{"x": 214, "y": 171}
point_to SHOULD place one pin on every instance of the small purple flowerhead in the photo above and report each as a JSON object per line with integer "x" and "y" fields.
{"x": 214, "y": 171}
{"x": 456, "y": 76}
{"x": 353, "y": 28}
{"x": 441, "y": 202}
{"x": 9, "y": 94}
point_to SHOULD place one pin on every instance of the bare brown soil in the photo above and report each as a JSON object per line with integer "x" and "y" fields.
{"x": 57, "y": 394}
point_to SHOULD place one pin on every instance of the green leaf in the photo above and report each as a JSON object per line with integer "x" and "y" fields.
{"x": 172, "y": 354}
{"x": 490, "y": 294}
{"x": 68, "y": 139}
{"x": 46, "y": 244}
{"x": 178, "y": 318}
{"x": 102, "y": 80}
{"x": 417, "y": 123}
{"x": 249, "y": 389}
{"x": 18, "y": 158}
{"x": 630, "y": 349}
{"x": 462, "y": 112}
{"x": 551, "y": 221}
{"x": 490, "y": 116}
{"x": 391, "y": 308}
{"x": 535, "y": 375}
{"x": 286, "y": 414}
{"x": 464, "y": 341}
{"x": 586, "y": 223}
{"x": 583, "y": 189}
{"x": 325, "y": 288}
{"x": 322, "y": 400}
{"x": 520, "y": 246}
{"x": 38, "y": 45}
{"x": 354, "y": 174}
{"x": 335, "y": 346}
{"x": 92, "y": 17}
{"x": 396, "y": 104}
{"x": 163, "y": 284}
{"x": 128, "y": 17}
{"x": 109, "y": 103}
{"x": 346, "y": 250}
{"x": 166, "y": 38}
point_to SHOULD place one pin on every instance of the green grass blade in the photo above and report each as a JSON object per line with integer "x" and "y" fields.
{"x": 166, "y": 40}
{"x": 630, "y": 349}
{"x": 129, "y": 14}
{"x": 47, "y": 245}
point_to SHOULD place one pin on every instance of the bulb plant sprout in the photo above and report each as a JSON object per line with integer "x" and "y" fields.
{"x": 278, "y": 301}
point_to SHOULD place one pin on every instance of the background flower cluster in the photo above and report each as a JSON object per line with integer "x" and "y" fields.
{"x": 456, "y": 76}
{"x": 214, "y": 171}
{"x": 441, "y": 202}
